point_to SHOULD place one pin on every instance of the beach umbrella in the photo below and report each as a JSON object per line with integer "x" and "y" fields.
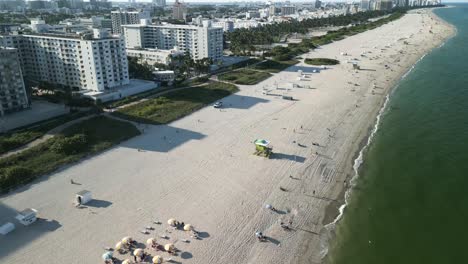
{"x": 150, "y": 241}
{"x": 268, "y": 206}
{"x": 138, "y": 252}
{"x": 126, "y": 240}
{"x": 171, "y": 222}
{"x": 188, "y": 227}
{"x": 127, "y": 261}
{"x": 158, "y": 259}
{"x": 107, "y": 255}
{"x": 118, "y": 246}
{"x": 169, "y": 247}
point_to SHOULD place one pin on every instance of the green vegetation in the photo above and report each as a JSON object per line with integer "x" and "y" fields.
{"x": 139, "y": 71}
{"x": 245, "y": 41}
{"x": 274, "y": 66}
{"x": 174, "y": 105}
{"x": 22, "y": 136}
{"x": 244, "y": 76}
{"x": 79, "y": 140}
{"x": 321, "y": 61}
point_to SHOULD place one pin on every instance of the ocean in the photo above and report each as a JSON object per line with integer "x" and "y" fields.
{"x": 410, "y": 200}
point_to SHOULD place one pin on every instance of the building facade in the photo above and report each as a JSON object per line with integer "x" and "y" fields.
{"x": 383, "y": 5}
{"x": 179, "y": 11}
{"x": 200, "y": 41}
{"x": 120, "y": 18}
{"x": 97, "y": 62}
{"x": 152, "y": 56}
{"x": 13, "y": 95}
{"x": 160, "y": 3}
{"x": 288, "y": 10}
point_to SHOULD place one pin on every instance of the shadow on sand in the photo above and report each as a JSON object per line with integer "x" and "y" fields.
{"x": 281, "y": 156}
{"x": 162, "y": 139}
{"x": 22, "y": 235}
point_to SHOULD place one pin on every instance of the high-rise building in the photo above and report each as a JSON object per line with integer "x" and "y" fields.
{"x": 159, "y": 2}
{"x": 96, "y": 62}
{"x": 272, "y": 11}
{"x": 120, "y": 18}
{"x": 402, "y": 3}
{"x": 13, "y": 95}
{"x": 384, "y": 5}
{"x": 288, "y": 10}
{"x": 365, "y": 5}
{"x": 318, "y": 4}
{"x": 179, "y": 11}
{"x": 201, "y": 42}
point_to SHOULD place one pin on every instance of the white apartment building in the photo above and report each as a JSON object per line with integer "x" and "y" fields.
{"x": 13, "y": 95}
{"x": 120, "y": 18}
{"x": 200, "y": 41}
{"x": 227, "y": 25}
{"x": 152, "y": 56}
{"x": 88, "y": 62}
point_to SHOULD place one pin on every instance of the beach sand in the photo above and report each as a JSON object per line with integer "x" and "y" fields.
{"x": 201, "y": 168}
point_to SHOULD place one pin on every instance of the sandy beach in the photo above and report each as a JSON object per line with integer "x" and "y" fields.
{"x": 201, "y": 169}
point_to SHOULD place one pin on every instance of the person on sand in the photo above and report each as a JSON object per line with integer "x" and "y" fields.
{"x": 260, "y": 236}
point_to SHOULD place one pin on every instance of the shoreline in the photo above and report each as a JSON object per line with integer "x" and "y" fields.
{"x": 360, "y": 151}
{"x": 204, "y": 173}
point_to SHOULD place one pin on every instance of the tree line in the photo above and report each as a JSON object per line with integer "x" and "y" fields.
{"x": 243, "y": 40}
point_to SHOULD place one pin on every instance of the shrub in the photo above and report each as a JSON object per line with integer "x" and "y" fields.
{"x": 322, "y": 61}
{"x": 13, "y": 176}
{"x": 70, "y": 145}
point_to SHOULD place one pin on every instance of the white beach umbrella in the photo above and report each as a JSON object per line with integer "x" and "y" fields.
{"x": 126, "y": 240}
{"x": 118, "y": 246}
{"x": 169, "y": 247}
{"x": 150, "y": 241}
{"x": 188, "y": 227}
{"x": 127, "y": 261}
{"x": 138, "y": 252}
{"x": 171, "y": 222}
{"x": 158, "y": 259}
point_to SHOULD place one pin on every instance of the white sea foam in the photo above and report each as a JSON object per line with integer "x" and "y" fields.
{"x": 329, "y": 228}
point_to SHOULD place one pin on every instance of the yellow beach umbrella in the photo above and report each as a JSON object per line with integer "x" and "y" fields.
{"x": 126, "y": 240}
{"x": 138, "y": 252}
{"x": 158, "y": 259}
{"x": 188, "y": 227}
{"x": 171, "y": 222}
{"x": 169, "y": 247}
{"x": 118, "y": 246}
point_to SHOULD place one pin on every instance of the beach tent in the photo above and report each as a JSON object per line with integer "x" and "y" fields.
{"x": 83, "y": 197}
{"x": 138, "y": 252}
{"x": 171, "y": 222}
{"x": 27, "y": 216}
{"x": 169, "y": 247}
{"x": 107, "y": 255}
{"x": 188, "y": 227}
{"x": 158, "y": 259}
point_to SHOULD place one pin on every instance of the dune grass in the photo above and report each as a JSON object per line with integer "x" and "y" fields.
{"x": 74, "y": 143}
{"x": 244, "y": 76}
{"x": 174, "y": 105}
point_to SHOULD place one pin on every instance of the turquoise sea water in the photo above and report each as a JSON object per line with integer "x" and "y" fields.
{"x": 410, "y": 204}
